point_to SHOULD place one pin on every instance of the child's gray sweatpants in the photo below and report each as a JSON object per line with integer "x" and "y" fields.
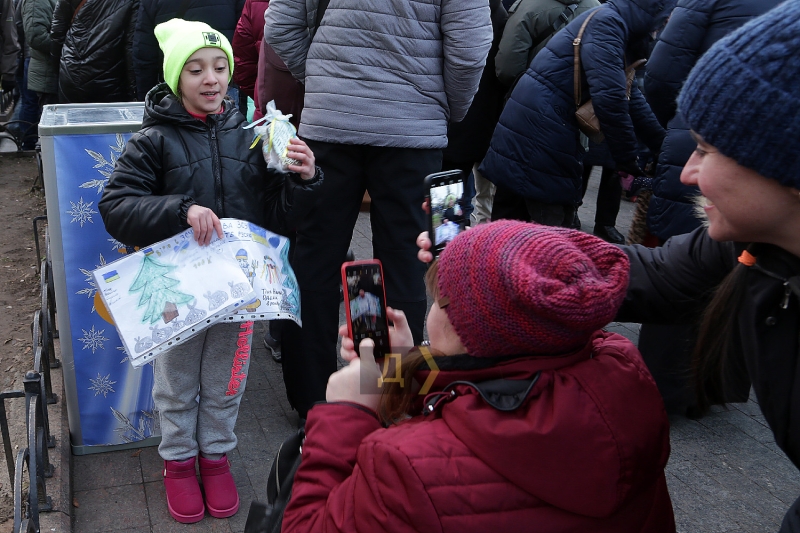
{"x": 214, "y": 365}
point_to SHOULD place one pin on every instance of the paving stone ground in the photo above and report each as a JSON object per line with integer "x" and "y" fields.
{"x": 725, "y": 473}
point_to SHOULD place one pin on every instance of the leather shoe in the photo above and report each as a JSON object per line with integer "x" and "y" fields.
{"x": 609, "y": 234}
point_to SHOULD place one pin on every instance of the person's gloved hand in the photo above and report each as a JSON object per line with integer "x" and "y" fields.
{"x": 633, "y": 184}
{"x": 8, "y": 85}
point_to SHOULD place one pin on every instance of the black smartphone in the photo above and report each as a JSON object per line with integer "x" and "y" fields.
{"x": 365, "y": 304}
{"x": 445, "y": 193}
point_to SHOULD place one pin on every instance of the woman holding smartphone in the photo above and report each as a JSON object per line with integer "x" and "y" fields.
{"x": 740, "y": 102}
{"x": 519, "y": 412}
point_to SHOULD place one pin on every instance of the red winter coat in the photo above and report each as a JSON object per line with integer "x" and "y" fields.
{"x": 585, "y": 452}
{"x": 247, "y": 43}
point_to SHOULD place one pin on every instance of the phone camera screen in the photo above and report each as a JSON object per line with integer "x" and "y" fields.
{"x": 447, "y": 211}
{"x": 367, "y": 307}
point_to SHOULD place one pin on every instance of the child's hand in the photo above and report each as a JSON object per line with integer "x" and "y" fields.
{"x": 299, "y": 151}
{"x": 424, "y": 243}
{"x": 400, "y": 338}
{"x": 204, "y": 222}
{"x": 345, "y": 385}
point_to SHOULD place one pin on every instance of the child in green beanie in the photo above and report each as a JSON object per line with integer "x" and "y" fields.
{"x": 189, "y": 166}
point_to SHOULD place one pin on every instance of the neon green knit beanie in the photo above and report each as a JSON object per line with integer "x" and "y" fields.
{"x": 180, "y": 38}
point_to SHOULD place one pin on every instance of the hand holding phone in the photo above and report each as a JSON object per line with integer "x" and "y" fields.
{"x": 445, "y": 193}
{"x": 365, "y": 304}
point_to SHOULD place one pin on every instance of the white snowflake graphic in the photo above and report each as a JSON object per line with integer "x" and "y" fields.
{"x": 82, "y": 212}
{"x": 104, "y": 167}
{"x": 115, "y": 244}
{"x": 102, "y": 385}
{"x": 89, "y": 279}
{"x": 130, "y": 432}
{"x": 93, "y": 339}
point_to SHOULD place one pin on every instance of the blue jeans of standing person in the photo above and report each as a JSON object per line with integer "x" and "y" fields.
{"x": 30, "y": 112}
{"x": 27, "y": 112}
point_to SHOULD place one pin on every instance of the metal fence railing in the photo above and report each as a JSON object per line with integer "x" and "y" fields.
{"x": 31, "y": 466}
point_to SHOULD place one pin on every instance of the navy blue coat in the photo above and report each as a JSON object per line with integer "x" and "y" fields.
{"x": 535, "y": 150}
{"x": 147, "y": 57}
{"x": 693, "y": 27}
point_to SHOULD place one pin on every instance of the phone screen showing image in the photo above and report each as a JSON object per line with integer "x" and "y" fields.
{"x": 448, "y": 217}
{"x": 366, "y": 305}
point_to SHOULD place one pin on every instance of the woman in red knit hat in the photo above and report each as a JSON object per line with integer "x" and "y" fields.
{"x": 532, "y": 418}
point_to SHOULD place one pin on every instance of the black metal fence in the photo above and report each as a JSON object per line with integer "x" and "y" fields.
{"x": 32, "y": 467}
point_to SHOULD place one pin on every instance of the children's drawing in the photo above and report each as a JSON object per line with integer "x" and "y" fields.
{"x": 264, "y": 258}
{"x": 158, "y": 290}
{"x": 162, "y": 295}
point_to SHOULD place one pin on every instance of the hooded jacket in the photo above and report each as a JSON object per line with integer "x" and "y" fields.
{"x": 527, "y": 23}
{"x": 693, "y": 27}
{"x": 585, "y": 451}
{"x": 148, "y": 59}
{"x": 383, "y": 72}
{"x": 94, "y": 48}
{"x": 176, "y": 160}
{"x": 536, "y": 150}
{"x": 37, "y": 17}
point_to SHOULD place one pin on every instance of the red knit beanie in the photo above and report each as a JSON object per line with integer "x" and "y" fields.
{"x": 518, "y": 288}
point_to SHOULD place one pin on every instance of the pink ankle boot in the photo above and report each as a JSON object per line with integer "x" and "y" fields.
{"x": 184, "y": 499}
{"x": 222, "y": 499}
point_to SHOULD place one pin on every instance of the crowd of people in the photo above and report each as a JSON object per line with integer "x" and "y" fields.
{"x": 537, "y": 415}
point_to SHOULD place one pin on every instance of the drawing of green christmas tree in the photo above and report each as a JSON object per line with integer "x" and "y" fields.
{"x": 157, "y": 289}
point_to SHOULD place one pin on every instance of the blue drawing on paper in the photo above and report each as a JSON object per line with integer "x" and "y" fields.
{"x": 115, "y": 402}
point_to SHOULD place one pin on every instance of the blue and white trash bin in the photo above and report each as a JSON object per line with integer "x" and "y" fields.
{"x": 109, "y": 403}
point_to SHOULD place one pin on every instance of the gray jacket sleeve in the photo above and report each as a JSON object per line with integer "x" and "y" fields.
{"x": 466, "y": 38}
{"x": 286, "y": 29}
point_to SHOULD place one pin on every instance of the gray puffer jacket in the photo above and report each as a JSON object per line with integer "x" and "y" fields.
{"x": 383, "y": 72}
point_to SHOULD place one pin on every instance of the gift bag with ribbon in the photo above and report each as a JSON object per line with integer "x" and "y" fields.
{"x": 275, "y": 130}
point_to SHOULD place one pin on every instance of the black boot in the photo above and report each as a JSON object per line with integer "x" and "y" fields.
{"x": 609, "y": 234}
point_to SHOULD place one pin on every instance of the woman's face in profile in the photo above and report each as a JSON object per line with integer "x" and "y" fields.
{"x": 741, "y": 204}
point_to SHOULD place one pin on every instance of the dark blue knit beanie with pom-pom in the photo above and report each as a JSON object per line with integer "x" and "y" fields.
{"x": 743, "y": 96}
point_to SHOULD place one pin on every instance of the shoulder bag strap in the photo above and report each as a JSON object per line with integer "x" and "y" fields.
{"x": 630, "y": 74}
{"x": 75, "y": 13}
{"x": 562, "y": 20}
{"x": 321, "y": 7}
{"x": 576, "y": 47}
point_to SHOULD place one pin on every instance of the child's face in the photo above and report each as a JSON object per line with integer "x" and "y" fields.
{"x": 204, "y": 81}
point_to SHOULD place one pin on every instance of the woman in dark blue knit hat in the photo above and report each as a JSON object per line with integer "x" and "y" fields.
{"x": 741, "y": 102}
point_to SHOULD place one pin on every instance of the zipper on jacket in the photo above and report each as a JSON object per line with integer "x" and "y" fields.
{"x": 217, "y": 169}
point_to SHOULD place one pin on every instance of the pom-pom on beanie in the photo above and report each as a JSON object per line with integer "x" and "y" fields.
{"x": 516, "y": 288}
{"x": 180, "y": 38}
{"x": 743, "y": 96}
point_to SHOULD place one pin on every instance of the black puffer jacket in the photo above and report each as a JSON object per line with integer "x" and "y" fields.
{"x": 672, "y": 282}
{"x": 176, "y": 160}
{"x": 693, "y": 27}
{"x": 535, "y": 150}
{"x": 147, "y": 56}
{"x": 94, "y": 48}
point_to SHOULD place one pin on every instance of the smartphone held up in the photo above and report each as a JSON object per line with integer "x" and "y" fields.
{"x": 365, "y": 304}
{"x": 445, "y": 192}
